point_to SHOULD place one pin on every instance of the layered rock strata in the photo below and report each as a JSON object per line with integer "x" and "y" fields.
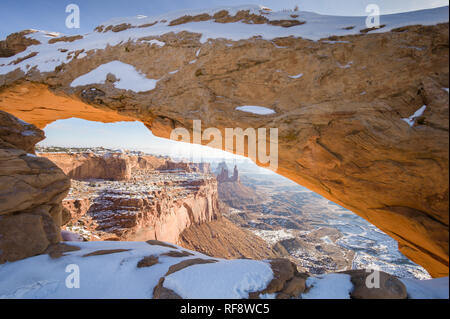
{"x": 31, "y": 192}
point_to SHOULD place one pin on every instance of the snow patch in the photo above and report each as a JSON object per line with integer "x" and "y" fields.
{"x": 427, "y": 289}
{"x": 298, "y": 76}
{"x": 412, "y": 119}
{"x": 260, "y": 110}
{"x": 128, "y": 77}
{"x": 348, "y": 65}
{"x": 116, "y": 275}
{"x": 330, "y": 286}
{"x": 228, "y": 279}
{"x": 70, "y": 236}
{"x": 316, "y": 27}
{"x": 156, "y": 42}
{"x": 28, "y": 133}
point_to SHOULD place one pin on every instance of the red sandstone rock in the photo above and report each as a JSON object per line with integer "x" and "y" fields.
{"x": 31, "y": 191}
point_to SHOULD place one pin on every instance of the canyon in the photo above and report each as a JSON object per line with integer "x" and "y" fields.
{"x": 131, "y": 196}
{"x": 344, "y": 101}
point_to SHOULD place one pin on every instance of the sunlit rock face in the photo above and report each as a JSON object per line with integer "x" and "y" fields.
{"x": 341, "y": 123}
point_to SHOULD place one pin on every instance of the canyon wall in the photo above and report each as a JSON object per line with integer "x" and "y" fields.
{"x": 115, "y": 166}
{"x": 89, "y": 166}
{"x": 156, "y": 216}
{"x": 344, "y": 105}
{"x": 136, "y": 197}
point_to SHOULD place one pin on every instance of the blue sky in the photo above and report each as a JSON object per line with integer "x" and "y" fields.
{"x": 50, "y": 15}
{"x": 126, "y": 135}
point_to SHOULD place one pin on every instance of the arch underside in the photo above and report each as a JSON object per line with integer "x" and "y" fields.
{"x": 317, "y": 165}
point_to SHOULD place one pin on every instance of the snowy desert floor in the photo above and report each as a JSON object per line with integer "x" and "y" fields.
{"x": 110, "y": 270}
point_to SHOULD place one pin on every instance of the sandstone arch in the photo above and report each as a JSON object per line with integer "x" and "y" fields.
{"x": 341, "y": 132}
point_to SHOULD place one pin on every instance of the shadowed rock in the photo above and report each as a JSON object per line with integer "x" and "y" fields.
{"x": 173, "y": 253}
{"x": 389, "y": 286}
{"x": 160, "y": 292}
{"x": 58, "y": 250}
{"x": 188, "y": 263}
{"x": 147, "y": 261}
{"x": 105, "y": 252}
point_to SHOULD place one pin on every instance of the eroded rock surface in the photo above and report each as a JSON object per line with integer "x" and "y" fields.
{"x": 31, "y": 192}
{"x": 121, "y": 196}
{"x": 339, "y": 104}
{"x": 383, "y": 286}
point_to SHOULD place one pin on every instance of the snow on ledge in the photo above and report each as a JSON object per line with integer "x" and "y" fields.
{"x": 116, "y": 275}
{"x": 232, "y": 279}
{"x": 128, "y": 77}
{"x": 154, "y": 41}
{"x": 330, "y": 286}
{"x": 316, "y": 27}
{"x": 412, "y": 119}
{"x": 427, "y": 289}
{"x": 260, "y": 110}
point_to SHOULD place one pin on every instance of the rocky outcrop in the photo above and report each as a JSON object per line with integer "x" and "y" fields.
{"x": 186, "y": 167}
{"x": 157, "y": 215}
{"x": 91, "y": 166}
{"x": 116, "y": 166}
{"x": 31, "y": 191}
{"x": 345, "y": 139}
{"x": 223, "y": 175}
{"x": 16, "y": 43}
{"x": 152, "y": 202}
{"x": 385, "y": 287}
{"x": 231, "y": 191}
{"x": 75, "y": 208}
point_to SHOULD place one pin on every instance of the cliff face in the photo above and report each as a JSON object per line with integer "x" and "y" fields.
{"x": 90, "y": 166}
{"x": 343, "y": 104}
{"x": 31, "y": 191}
{"x": 156, "y": 216}
{"x": 115, "y": 166}
{"x": 136, "y": 197}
